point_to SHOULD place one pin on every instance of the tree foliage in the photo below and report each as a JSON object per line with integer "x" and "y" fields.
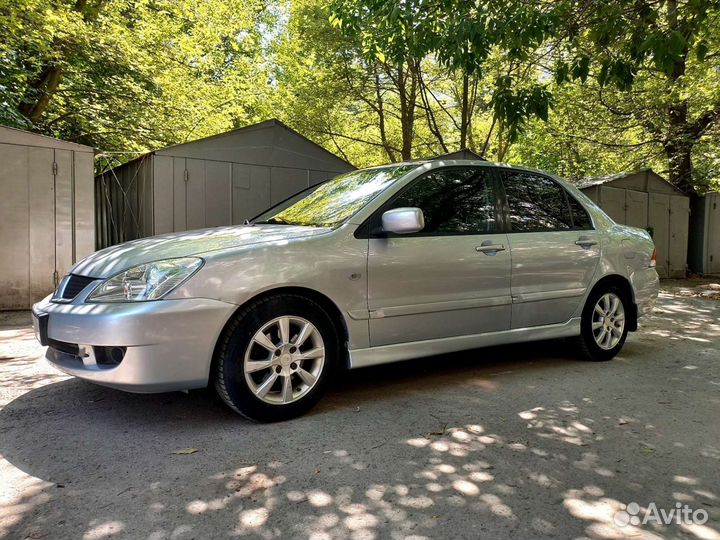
{"x": 129, "y": 74}
{"x": 577, "y": 88}
{"x": 621, "y": 44}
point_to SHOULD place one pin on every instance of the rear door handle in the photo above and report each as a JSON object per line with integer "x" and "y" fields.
{"x": 585, "y": 242}
{"x": 490, "y": 249}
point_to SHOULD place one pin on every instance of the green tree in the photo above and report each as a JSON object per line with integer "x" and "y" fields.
{"x": 130, "y": 74}
{"x": 662, "y": 51}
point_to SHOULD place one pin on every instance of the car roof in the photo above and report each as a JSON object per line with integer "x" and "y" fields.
{"x": 438, "y": 163}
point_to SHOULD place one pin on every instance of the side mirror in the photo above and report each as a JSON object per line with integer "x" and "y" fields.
{"x": 403, "y": 220}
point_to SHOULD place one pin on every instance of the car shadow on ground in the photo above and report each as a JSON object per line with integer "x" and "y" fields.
{"x": 511, "y": 441}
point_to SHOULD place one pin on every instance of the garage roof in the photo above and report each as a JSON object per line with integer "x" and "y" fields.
{"x": 10, "y": 135}
{"x": 256, "y": 144}
{"x": 652, "y": 181}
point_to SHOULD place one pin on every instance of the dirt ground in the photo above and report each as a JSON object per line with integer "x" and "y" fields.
{"x": 509, "y": 442}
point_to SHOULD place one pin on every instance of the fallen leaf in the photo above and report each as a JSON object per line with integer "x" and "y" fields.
{"x": 185, "y": 451}
{"x": 35, "y": 535}
{"x": 645, "y": 450}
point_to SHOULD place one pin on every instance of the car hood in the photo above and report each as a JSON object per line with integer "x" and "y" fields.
{"x": 109, "y": 261}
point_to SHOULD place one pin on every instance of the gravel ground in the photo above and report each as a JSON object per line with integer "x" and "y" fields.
{"x": 509, "y": 442}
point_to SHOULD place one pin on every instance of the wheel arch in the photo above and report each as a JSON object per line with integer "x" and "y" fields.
{"x": 624, "y": 285}
{"x": 323, "y": 300}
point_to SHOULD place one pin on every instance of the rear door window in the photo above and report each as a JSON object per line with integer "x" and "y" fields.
{"x": 581, "y": 218}
{"x": 536, "y": 203}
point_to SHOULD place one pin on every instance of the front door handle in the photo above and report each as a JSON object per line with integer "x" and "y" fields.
{"x": 585, "y": 241}
{"x": 488, "y": 248}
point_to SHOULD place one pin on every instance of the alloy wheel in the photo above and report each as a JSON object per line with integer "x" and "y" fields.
{"x": 608, "y": 321}
{"x": 284, "y": 360}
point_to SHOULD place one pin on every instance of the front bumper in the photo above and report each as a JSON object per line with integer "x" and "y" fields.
{"x": 166, "y": 344}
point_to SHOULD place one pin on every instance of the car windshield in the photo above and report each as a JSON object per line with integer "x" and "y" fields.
{"x": 331, "y": 203}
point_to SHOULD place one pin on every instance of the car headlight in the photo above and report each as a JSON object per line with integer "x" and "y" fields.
{"x": 149, "y": 281}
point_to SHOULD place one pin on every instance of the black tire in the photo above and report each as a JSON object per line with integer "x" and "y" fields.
{"x": 587, "y": 347}
{"x": 229, "y": 373}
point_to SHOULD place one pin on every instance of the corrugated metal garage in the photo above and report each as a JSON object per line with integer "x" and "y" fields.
{"x": 645, "y": 199}
{"x": 704, "y": 254}
{"x": 219, "y": 180}
{"x": 47, "y": 208}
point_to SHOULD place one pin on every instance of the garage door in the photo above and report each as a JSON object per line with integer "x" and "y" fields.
{"x": 678, "y": 236}
{"x": 658, "y": 223}
{"x": 636, "y": 208}
{"x": 612, "y": 201}
{"x": 713, "y": 234}
{"x": 30, "y": 222}
{"x": 209, "y": 193}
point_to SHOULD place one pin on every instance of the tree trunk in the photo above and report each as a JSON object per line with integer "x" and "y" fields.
{"x": 430, "y": 115}
{"x": 407, "y": 89}
{"x": 678, "y": 148}
{"x": 464, "y": 112}
{"x": 680, "y": 141}
{"x": 381, "y": 121}
{"x": 42, "y": 89}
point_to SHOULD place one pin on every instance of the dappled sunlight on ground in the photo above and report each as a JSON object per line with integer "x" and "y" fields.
{"x": 509, "y": 442}
{"x": 685, "y": 319}
{"x": 20, "y": 353}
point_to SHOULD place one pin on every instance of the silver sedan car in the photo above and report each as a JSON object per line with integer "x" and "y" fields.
{"x": 378, "y": 265}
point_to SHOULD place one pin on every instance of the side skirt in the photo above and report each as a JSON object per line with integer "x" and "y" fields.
{"x": 417, "y": 349}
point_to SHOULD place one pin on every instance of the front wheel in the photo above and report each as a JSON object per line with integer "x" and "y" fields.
{"x": 276, "y": 358}
{"x": 604, "y": 324}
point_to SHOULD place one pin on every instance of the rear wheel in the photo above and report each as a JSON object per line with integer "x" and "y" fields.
{"x": 276, "y": 358}
{"x": 604, "y": 324}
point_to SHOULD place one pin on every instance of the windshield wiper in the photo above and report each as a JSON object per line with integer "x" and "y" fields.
{"x": 272, "y": 221}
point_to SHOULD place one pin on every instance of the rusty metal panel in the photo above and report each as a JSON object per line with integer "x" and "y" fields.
{"x": 41, "y": 221}
{"x": 218, "y": 193}
{"x": 636, "y": 208}
{"x": 659, "y": 225}
{"x": 84, "y": 205}
{"x": 679, "y": 220}
{"x": 64, "y": 241}
{"x": 14, "y": 263}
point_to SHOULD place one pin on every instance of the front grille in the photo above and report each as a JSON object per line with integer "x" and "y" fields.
{"x": 74, "y": 285}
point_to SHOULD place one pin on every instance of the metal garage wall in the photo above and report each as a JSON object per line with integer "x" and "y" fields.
{"x": 678, "y": 230}
{"x": 645, "y": 200}
{"x": 47, "y": 211}
{"x": 704, "y": 255}
{"x": 124, "y": 202}
{"x": 209, "y": 193}
{"x": 219, "y": 180}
